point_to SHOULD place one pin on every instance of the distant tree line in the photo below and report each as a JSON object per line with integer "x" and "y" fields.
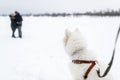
{"x": 103, "y": 13}
{"x": 107, "y": 12}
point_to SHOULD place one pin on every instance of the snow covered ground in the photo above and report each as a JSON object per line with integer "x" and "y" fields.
{"x": 40, "y": 54}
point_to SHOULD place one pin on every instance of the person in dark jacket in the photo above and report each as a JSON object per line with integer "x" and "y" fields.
{"x": 13, "y": 24}
{"x": 18, "y": 20}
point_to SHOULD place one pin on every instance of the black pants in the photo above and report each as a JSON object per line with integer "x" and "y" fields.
{"x": 14, "y": 27}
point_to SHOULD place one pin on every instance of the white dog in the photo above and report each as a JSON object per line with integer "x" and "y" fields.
{"x": 76, "y": 48}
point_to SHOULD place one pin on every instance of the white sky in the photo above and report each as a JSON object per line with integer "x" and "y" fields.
{"x": 8, "y": 6}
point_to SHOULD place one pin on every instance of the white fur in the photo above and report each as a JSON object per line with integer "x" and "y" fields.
{"x": 76, "y": 47}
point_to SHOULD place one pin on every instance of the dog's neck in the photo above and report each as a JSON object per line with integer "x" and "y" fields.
{"x": 77, "y": 51}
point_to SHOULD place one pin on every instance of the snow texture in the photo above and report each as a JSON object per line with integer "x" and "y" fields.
{"x": 40, "y": 54}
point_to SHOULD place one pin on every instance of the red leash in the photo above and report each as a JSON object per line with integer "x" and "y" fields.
{"x": 86, "y": 62}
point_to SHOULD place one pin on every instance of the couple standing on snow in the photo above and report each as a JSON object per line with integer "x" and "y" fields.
{"x": 16, "y": 23}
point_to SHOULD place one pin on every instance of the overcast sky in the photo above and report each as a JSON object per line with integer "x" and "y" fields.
{"x": 41, "y": 6}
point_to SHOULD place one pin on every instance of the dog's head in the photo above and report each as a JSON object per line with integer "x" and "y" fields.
{"x": 73, "y": 41}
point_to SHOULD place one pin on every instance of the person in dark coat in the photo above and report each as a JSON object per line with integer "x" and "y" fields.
{"x": 13, "y": 24}
{"x": 18, "y": 20}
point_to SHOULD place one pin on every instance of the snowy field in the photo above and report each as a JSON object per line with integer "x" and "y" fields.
{"x": 40, "y": 54}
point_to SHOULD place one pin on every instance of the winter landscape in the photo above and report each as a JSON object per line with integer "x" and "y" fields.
{"x": 40, "y": 54}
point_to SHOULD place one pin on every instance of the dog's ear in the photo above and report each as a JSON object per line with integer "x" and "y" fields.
{"x": 67, "y": 33}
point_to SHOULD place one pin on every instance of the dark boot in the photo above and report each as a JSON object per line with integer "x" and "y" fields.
{"x": 20, "y": 36}
{"x": 13, "y": 36}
